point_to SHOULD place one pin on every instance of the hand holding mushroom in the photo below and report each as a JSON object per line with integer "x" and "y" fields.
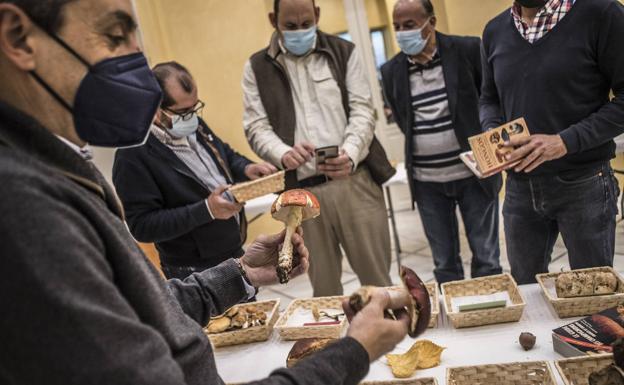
{"x": 413, "y": 297}
{"x": 292, "y": 207}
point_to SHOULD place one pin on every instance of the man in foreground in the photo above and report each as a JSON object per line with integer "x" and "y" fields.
{"x": 81, "y": 303}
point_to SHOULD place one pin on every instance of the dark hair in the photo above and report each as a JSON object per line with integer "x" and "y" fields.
{"x": 164, "y": 71}
{"x": 276, "y": 6}
{"x": 48, "y": 14}
{"x": 428, "y": 7}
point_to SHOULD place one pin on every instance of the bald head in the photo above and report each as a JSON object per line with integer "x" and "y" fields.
{"x": 292, "y": 15}
{"x": 412, "y": 14}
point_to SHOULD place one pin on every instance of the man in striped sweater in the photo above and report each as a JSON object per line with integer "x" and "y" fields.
{"x": 433, "y": 88}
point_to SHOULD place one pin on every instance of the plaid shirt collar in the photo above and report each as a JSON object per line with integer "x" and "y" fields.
{"x": 545, "y": 20}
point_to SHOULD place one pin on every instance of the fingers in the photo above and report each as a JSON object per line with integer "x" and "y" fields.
{"x": 297, "y": 157}
{"x": 529, "y": 159}
{"x": 519, "y": 153}
{"x": 338, "y": 161}
{"x": 304, "y": 152}
{"x": 309, "y": 147}
{"x": 220, "y": 190}
{"x": 536, "y": 163}
{"x": 516, "y": 141}
{"x": 272, "y": 169}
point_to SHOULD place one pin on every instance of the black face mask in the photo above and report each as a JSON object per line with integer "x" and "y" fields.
{"x": 115, "y": 102}
{"x": 532, "y": 3}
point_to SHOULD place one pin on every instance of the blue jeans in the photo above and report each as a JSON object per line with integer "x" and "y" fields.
{"x": 581, "y": 205}
{"x": 437, "y": 203}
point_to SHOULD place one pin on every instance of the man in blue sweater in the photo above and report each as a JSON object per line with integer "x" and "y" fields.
{"x": 556, "y": 63}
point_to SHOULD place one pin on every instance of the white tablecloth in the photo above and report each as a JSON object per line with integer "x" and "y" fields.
{"x": 473, "y": 346}
{"x": 263, "y": 204}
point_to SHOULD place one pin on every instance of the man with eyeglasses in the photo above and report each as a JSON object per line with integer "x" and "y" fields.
{"x": 174, "y": 187}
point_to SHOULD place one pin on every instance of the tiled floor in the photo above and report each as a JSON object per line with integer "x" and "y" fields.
{"x": 416, "y": 254}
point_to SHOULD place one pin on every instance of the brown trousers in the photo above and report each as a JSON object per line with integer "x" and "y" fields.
{"x": 353, "y": 215}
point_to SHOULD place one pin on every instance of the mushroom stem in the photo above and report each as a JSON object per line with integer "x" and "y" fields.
{"x": 399, "y": 298}
{"x": 285, "y": 262}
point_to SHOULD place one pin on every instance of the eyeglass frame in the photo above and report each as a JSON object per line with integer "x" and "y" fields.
{"x": 196, "y": 109}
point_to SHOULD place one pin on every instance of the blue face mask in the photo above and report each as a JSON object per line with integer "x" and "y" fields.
{"x": 182, "y": 128}
{"x": 116, "y": 101}
{"x": 299, "y": 42}
{"x": 412, "y": 42}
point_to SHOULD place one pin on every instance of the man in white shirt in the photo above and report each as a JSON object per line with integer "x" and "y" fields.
{"x": 309, "y": 90}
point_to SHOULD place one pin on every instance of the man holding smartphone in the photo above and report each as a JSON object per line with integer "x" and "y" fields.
{"x": 308, "y": 90}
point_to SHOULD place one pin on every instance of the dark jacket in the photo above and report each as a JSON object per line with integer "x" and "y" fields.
{"x": 276, "y": 96}
{"x": 165, "y": 201}
{"x": 83, "y": 305}
{"x": 461, "y": 65}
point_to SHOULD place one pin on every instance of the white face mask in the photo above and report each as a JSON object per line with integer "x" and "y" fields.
{"x": 411, "y": 42}
{"x": 182, "y": 128}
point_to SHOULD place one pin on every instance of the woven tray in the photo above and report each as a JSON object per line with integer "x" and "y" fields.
{"x": 260, "y": 187}
{"x": 434, "y": 293}
{"x": 516, "y": 373}
{"x": 253, "y": 334}
{"x": 576, "y": 371}
{"x": 322, "y": 331}
{"x": 580, "y": 306}
{"x": 483, "y": 286}
{"x": 411, "y": 381}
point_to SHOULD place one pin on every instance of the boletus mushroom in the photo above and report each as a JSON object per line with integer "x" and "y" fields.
{"x": 414, "y": 297}
{"x": 292, "y": 207}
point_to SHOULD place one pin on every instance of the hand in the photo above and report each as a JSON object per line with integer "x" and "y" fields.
{"x": 299, "y": 155}
{"x": 378, "y": 335}
{"x": 258, "y": 170}
{"x": 220, "y": 207}
{"x": 337, "y": 168}
{"x": 260, "y": 259}
{"x": 534, "y": 150}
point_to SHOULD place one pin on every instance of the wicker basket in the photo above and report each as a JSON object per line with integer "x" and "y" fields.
{"x": 432, "y": 288}
{"x": 576, "y": 371}
{"x": 516, "y": 373}
{"x": 253, "y": 334}
{"x": 260, "y": 187}
{"x": 321, "y": 331}
{"x": 581, "y": 306}
{"x": 411, "y": 381}
{"x": 483, "y": 286}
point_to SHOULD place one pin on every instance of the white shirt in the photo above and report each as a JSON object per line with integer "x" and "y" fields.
{"x": 320, "y": 115}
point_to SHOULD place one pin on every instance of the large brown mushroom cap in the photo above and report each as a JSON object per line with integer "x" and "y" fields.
{"x": 421, "y": 302}
{"x": 293, "y": 198}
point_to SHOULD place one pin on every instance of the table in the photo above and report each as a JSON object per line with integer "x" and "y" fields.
{"x": 255, "y": 208}
{"x": 473, "y": 346}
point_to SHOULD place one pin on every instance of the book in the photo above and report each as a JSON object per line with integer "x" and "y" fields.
{"x": 488, "y": 152}
{"x": 590, "y": 335}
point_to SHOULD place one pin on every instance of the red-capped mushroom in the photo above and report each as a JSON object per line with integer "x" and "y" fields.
{"x": 292, "y": 207}
{"x": 414, "y": 297}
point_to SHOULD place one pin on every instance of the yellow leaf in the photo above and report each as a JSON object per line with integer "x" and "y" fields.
{"x": 423, "y": 354}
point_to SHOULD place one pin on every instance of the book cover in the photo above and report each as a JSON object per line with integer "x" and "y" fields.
{"x": 488, "y": 150}
{"x": 590, "y": 335}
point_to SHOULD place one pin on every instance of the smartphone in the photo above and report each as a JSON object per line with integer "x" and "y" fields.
{"x": 324, "y": 153}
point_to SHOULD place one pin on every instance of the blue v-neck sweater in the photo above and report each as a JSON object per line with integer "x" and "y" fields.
{"x": 562, "y": 83}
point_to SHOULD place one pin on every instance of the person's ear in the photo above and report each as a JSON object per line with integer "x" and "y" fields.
{"x": 433, "y": 21}
{"x": 16, "y": 30}
{"x": 273, "y": 20}
{"x": 317, "y": 14}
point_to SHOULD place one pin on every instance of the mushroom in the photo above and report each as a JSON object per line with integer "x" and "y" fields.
{"x": 292, "y": 207}
{"x": 414, "y": 297}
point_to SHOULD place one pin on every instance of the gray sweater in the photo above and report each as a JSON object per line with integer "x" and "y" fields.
{"x": 80, "y": 302}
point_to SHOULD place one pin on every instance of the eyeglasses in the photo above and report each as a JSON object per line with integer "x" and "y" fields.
{"x": 187, "y": 114}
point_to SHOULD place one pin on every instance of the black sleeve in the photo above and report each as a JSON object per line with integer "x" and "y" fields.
{"x": 387, "y": 88}
{"x": 345, "y": 362}
{"x": 64, "y": 319}
{"x": 147, "y": 218}
{"x": 475, "y": 61}
{"x": 489, "y": 103}
{"x": 608, "y": 122}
